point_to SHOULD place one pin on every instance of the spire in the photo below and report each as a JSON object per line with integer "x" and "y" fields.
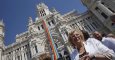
{"x": 54, "y": 10}
{"x": 30, "y": 21}
{"x": 41, "y": 5}
{"x": 1, "y": 23}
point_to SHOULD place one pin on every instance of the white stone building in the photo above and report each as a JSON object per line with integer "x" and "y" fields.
{"x": 33, "y": 42}
{"x": 103, "y": 10}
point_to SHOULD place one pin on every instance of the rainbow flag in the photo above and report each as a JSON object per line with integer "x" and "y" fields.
{"x": 51, "y": 41}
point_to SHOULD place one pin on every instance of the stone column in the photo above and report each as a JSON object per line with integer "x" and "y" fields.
{"x": 5, "y": 57}
{"x": 90, "y": 26}
{"x": 13, "y": 55}
{"x": 22, "y": 53}
{"x": 0, "y": 54}
{"x": 32, "y": 51}
{"x": 79, "y": 25}
{"x": 25, "y": 53}
{"x": 104, "y": 8}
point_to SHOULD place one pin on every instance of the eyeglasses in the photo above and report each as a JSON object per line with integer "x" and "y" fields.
{"x": 76, "y": 36}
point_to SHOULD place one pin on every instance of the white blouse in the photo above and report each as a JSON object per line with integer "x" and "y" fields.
{"x": 92, "y": 46}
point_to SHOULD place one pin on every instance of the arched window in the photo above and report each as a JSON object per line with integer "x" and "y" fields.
{"x": 38, "y": 28}
{"x": 104, "y": 15}
{"x": 42, "y": 26}
{"x": 49, "y": 24}
{"x": 36, "y": 48}
{"x": 52, "y": 21}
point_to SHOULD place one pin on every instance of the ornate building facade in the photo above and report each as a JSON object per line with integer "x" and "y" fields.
{"x": 104, "y": 10}
{"x": 32, "y": 43}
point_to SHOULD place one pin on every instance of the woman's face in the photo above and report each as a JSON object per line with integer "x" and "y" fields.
{"x": 76, "y": 38}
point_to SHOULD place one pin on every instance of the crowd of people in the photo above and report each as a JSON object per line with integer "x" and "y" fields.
{"x": 97, "y": 46}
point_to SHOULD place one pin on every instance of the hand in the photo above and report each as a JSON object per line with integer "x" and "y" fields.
{"x": 85, "y": 57}
{"x": 92, "y": 57}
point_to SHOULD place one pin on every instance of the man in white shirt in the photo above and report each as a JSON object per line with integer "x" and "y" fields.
{"x": 109, "y": 42}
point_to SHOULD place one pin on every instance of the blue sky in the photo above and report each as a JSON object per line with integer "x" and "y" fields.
{"x": 15, "y": 13}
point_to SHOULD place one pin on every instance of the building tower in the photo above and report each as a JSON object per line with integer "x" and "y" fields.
{"x": 42, "y": 10}
{"x": 1, "y": 38}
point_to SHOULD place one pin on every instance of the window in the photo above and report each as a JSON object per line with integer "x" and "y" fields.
{"x": 88, "y": 17}
{"x": 81, "y": 21}
{"x": 70, "y": 25}
{"x": 18, "y": 49}
{"x": 30, "y": 54}
{"x": 9, "y": 52}
{"x": 45, "y": 13}
{"x": 18, "y": 57}
{"x": 42, "y": 14}
{"x": 43, "y": 10}
{"x": 24, "y": 56}
{"x": 26, "y": 46}
{"x": 111, "y": 10}
{"x": 27, "y": 54}
{"x": 49, "y": 24}
{"x": 86, "y": 28}
{"x": 52, "y": 21}
{"x": 66, "y": 33}
{"x": 38, "y": 28}
{"x": 102, "y": 3}
{"x": 73, "y": 25}
{"x": 108, "y": 7}
{"x": 77, "y": 25}
{"x": 95, "y": 24}
{"x": 96, "y": 8}
{"x": 42, "y": 26}
{"x": 89, "y": 28}
{"x": 104, "y": 15}
{"x": 36, "y": 49}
